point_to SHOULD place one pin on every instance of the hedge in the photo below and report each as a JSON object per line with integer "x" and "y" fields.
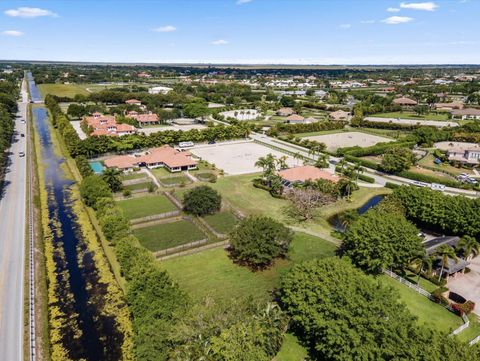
{"x": 366, "y": 178}
{"x": 428, "y": 179}
{"x": 391, "y": 185}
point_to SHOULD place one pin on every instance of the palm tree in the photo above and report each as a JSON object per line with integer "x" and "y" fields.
{"x": 267, "y": 163}
{"x": 112, "y": 177}
{"x": 282, "y": 162}
{"x": 322, "y": 161}
{"x": 469, "y": 246}
{"x": 342, "y": 164}
{"x": 445, "y": 252}
{"x": 297, "y": 156}
{"x": 423, "y": 263}
{"x": 357, "y": 168}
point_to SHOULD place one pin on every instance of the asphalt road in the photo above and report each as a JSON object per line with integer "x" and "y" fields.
{"x": 12, "y": 245}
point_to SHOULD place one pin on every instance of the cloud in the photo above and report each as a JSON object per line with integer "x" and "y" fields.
{"x": 26, "y": 12}
{"x": 367, "y": 21}
{"x": 241, "y": 2}
{"x": 426, "y": 6}
{"x": 165, "y": 29}
{"x": 12, "y": 33}
{"x": 345, "y": 26}
{"x": 393, "y": 10}
{"x": 219, "y": 42}
{"x": 394, "y": 20}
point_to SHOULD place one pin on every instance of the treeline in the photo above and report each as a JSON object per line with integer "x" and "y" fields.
{"x": 94, "y": 146}
{"x": 341, "y": 314}
{"x": 8, "y": 108}
{"x": 457, "y": 215}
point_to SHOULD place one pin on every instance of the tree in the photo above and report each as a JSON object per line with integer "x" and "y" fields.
{"x": 267, "y": 163}
{"x": 397, "y": 159}
{"x": 378, "y": 241}
{"x": 470, "y": 247}
{"x": 92, "y": 188}
{"x": 423, "y": 263}
{"x": 257, "y": 240}
{"x": 345, "y": 315}
{"x": 357, "y": 169}
{"x": 195, "y": 110}
{"x": 306, "y": 200}
{"x": 322, "y": 161}
{"x": 201, "y": 201}
{"x": 445, "y": 253}
{"x": 420, "y": 109}
{"x": 112, "y": 177}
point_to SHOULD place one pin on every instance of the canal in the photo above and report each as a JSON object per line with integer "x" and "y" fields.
{"x": 87, "y": 333}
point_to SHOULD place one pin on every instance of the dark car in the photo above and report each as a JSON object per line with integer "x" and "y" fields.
{"x": 22, "y": 135}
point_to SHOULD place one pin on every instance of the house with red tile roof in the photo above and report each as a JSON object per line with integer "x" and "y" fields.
{"x": 307, "y": 173}
{"x": 144, "y": 119}
{"x": 404, "y": 102}
{"x": 164, "y": 156}
{"x": 107, "y": 125}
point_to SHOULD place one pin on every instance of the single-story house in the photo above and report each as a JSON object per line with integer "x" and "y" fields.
{"x": 164, "y": 156}
{"x": 404, "y": 102}
{"x": 468, "y": 113}
{"x": 305, "y": 173}
{"x": 295, "y": 119}
{"x": 133, "y": 102}
{"x": 449, "y": 106}
{"x": 452, "y": 266}
{"x": 339, "y": 115}
{"x": 144, "y": 119}
{"x": 159, "y": 90}
{"x": 285, "y": 112}
{"x": 464, "y": 155}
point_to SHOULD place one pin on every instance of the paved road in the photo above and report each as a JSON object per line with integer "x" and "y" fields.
{"x": 12, "y": 246}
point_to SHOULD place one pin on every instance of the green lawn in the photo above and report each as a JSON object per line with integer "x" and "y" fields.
{"x": 179, "y": 179}
{"x": 428, "y": 161}
{"x": 222, "y": 222}
{"x": 146, "y": 206}
{"x": 130, "y": 176}
{"x": 136, "y": 186}
{"x": 212, "y": 273}
{"x": 65, "y": 90}
{"x": 413, "y": 115}
{"x": 167, "y": 235}
{"x": 161, "y": 172}
{"x": 428, "y": 313}
{"x": 291, "y": 350}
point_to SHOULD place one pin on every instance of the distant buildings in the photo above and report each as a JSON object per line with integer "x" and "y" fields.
{"x": 404, "y": 102}
{"x": 464, "y": 114}
{"x": 160, "y": 90}
{"x": 241, "y": 114}
{"x": 107, "y": 125}
{"x": 339, "y": 115}
{"x": 449, "y": 106}
{"x": 285, "y": 112}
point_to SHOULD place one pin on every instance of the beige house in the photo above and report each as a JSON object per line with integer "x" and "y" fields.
{"x": 285, "y": 112}
{"x": 404, "y": 102}
{"x": 464, "y": 114}
{"x": 339, "y": 115}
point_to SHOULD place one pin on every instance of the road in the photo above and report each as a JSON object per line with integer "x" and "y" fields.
{"x": 12, "y": 244}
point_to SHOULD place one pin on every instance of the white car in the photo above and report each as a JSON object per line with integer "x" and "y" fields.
{"x": 21, "y": 154}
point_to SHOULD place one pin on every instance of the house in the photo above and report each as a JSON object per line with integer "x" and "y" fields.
{"x": 133, "y": 102}
{"x": 144, "y": 75}
{"x": 404, "y": 102}
{"x": 107, "y": 125}
{"x": 159, "y": 90}
{"x": 320, "y": 93}
{"x": 339, "y": 115}
{"x": 144, "y": 119}
{"x": 449, "y": 106}
{"x": 307, "y": 173}
{"x": 285, "y": 112}
{"x": 295, "y": 119}
{"x": 468, "y": 113}
{"x": 464, "y": 155}
{"x": 164, "y": 156}
{"x": 452, "y": 266}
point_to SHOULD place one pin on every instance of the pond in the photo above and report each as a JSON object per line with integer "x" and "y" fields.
{"x": 88, "y": 334}
{"x": 336, "y": 220}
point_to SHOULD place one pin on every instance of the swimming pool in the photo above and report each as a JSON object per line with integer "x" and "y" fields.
{"x": 97, "y": 167}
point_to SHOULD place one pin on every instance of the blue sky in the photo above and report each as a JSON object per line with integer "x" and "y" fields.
{"x": 242, "y": 31}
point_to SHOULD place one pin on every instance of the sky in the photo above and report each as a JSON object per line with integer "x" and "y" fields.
{"x": 242, "y": 31}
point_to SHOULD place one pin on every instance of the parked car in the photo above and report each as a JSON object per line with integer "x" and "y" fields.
{"x": 21, "y": 154}
{"x": 22, "y": 135}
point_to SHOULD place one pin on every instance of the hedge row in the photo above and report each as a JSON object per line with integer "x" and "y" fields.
{"x": 376, "y": 149}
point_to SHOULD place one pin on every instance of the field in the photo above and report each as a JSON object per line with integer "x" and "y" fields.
{"x": 167, "y": 235}
{"x": 413, "y": 115}
{"x": 222, "y": 222}
{"x": 61, "y": 90}
{"x": 348, "y": 139}
{"x": 212, "y": 273}
{"x": 146, "y": 206}
{"x": 237, "y": 158}
{"x": 130, "y": 176}
{"x": 174, "y": 180}
{"x": 137, "y": 186}
{"x": 433, "y": 123}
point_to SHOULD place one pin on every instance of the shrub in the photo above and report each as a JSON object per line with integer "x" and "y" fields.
{"x": 391, "y": 185}
{"x": 464, "y": 308}
{"x": 257, "y": 240}
{"x": 366, "y": 178}
{"x": 438, "y": 296}
{"x": 92, "y": 188}
{"x": 202, "y": 200}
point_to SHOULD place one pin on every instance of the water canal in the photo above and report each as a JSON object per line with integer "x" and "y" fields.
{"x": 87, "y": 333}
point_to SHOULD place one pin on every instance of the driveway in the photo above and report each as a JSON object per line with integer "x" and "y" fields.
{"x": 468, "y": 284}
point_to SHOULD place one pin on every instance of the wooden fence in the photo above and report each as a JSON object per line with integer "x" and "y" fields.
{"x": 182, "y": 247}
{"x": 155, "y": 217}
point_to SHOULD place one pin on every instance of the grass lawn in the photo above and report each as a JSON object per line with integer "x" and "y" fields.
{"x": 432, "y": 173}
{"x": 212, "y": 273}
{"x": 291, "y": 350}
{"x": 136, "y": 186}
{"x": 222, "y": 222}
{"x": 65, "y": 90}
{"x": 428, "y": 313}
{"x": 428, "y": 161}
{"x": 167, "y": 235}
{"x": 161, "y": 172}
{"x": 413, "y": 115}
{"x": 471, "y": 331}
{"x": 130, "y": 176}
{"x": 146, "y": 206}
{"x": 179, "y": 179}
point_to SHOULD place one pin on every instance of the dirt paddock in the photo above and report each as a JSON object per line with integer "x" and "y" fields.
{"x": 348, "y": 139}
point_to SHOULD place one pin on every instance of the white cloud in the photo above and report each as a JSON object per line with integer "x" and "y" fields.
{"x": 345, "y": 26}
{"x": 219, "y": 42}
{"x": 393, "y": 10}
{"x": 241, "y": 2}
{"x": 394, "y": 20}
{"x": 12, "y": 33}
{"x": 165, "y": 29}
{"x": 26, "y": 12}
{"x": 367, "y": 21}
{"x": 426, "y": 6}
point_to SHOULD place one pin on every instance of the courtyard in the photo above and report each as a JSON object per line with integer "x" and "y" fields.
{"x": 237, "y": 157}
{"x": 348, "y": 139}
